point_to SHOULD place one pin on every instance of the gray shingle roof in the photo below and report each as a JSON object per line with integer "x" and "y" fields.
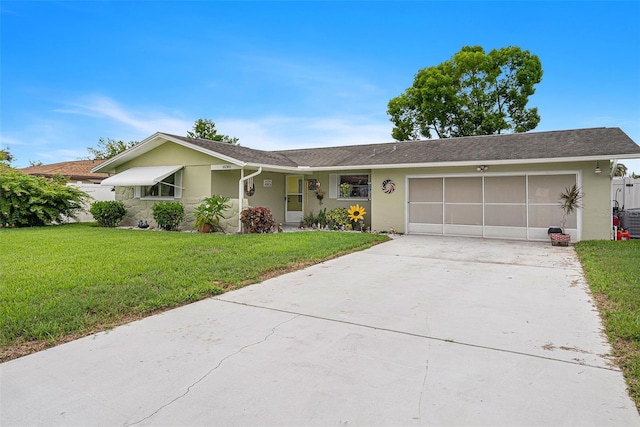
{"x": 241, "y": 153}
{"x": 605, "y": 142}
{"x": 577, "y": 143}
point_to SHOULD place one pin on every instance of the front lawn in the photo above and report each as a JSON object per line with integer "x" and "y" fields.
{"x": 60, "y": 283}
{"x": 612, "y": 269}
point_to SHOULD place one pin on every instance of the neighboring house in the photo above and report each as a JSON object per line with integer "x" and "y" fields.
{"x": 80, "y": 176}
{"x": 502, "y": 186}
{"x": 78, "y": 171}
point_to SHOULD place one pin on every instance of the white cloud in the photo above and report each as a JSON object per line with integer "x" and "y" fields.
{"x": 60, "y": 155}
{"x": 266, "y": 132}
{"x": 9, "y": 142}
{"x": 146, "y": 122}
{"x": 282, "y": 132}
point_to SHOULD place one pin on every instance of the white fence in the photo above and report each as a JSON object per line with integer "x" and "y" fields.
{"x": 97, "y": 193}
{"x": 625, "y": 191}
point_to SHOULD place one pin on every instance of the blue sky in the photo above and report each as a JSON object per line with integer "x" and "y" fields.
{"x": 294, "y": 74}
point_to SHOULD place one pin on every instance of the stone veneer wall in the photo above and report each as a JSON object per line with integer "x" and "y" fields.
{"x": 142, "y": 209}
{"x": 230, "y": 223}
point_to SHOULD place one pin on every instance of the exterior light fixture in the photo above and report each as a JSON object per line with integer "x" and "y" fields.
{"x": 598, "y": 170}
{"x": 482, "y": 168}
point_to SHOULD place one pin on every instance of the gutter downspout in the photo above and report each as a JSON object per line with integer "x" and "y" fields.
{"x": 241, "y": 193}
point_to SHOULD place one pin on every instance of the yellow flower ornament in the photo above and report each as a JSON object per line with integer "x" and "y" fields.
{"x": 356, "y": 213}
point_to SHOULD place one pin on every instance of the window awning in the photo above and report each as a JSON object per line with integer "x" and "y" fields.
{"x": 148, "y": 175}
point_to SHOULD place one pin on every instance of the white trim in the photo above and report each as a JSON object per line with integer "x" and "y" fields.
{"x": 158, "y": 138}
{"x": 125, "y": 154}
{"x": 203, "y": 150}
{"x": 333, "y": 186}
{"x": 293, "y": 170}
{"x": 474, "y": 163}
{"x": 298, "y": 194}
{"x": 224, "y": 167}
{"x": 476, "y": 174}
{"x": 241, "y": 194}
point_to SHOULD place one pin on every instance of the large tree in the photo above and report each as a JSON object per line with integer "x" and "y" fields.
{"x": 206, "y": 129}
{"x": 108, "y": 148}
{"x": 472, "y": 93}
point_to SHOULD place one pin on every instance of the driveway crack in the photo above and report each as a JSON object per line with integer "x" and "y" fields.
{"x": 424, "y": 383}
{"x": 212, "y": 370}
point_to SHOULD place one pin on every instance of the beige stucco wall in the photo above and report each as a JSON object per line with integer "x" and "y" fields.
{"x": 196, "y": 182}
{"x": 312, "y": 204}
{"x": 596, "y": 213}
{"x": 384, "y": 211}
{"x": 388, "y": 210}
{"x": 225, "y": 183}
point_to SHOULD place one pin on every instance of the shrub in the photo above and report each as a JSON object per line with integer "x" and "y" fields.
{"x": 322, "y": 217}
{"x": 257, "y": 220}
{"x": 27, "y": 201}
{"x": 309, "y": 220}
{"x": 338, "y": 217}
{"x": 168, "y": 214}
{"x": 108, "y": 213}
{"x": 211, "y": 212}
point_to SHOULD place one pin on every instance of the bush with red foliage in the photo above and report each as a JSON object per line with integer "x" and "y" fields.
{"x": 257, "y": 220}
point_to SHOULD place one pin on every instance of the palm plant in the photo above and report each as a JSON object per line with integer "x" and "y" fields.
{"x": 570, "y": 201}
{"x": 210, "y": 212}
{"x": 621, "y": 170}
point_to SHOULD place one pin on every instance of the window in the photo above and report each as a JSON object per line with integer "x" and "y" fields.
{"x": 168, "y": 188}
{"x": 350, "y": 186}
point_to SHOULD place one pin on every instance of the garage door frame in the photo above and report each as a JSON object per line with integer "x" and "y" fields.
{"x": 532, "y": 233}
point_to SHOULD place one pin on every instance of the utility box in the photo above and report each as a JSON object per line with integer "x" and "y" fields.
{"x": 630, "y": 221}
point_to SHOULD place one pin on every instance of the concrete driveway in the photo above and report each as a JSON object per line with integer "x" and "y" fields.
{"x": 417, "y": 331}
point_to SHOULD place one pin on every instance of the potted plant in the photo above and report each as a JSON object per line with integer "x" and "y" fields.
{"x": 345, "y": 190}
{"x": 209, "y": 212}
{"x": 570, "y": 201}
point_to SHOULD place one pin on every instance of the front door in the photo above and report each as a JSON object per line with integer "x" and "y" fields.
{"x": 294, "y": 204}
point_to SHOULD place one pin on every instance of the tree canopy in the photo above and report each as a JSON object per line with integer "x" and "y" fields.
{"x": 472, "y": 93}
{"x": 28, "y": 201}
{"x": 109, "y": 148}
{"x": 206, "y": 129}
{"x": 621, "y": 170}
{"x": 6, "y": 157}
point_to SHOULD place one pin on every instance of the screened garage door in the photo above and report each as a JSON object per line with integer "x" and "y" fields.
{"x": 516, "y": 207}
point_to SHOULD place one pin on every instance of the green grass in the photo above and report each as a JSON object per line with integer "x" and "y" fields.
{"x": 612, "y": 269}
{"x": 72, "y": 280}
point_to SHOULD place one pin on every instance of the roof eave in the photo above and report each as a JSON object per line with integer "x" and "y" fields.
{"x": 475, "y": 163}
{"x": 109, "y": 165}
{"x": 148, "y": 144}
{"x": 276, "y": 168}
{"x": 205, "y": 151}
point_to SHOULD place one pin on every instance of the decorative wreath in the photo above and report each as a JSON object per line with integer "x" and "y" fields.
{"x": 388, "y": 186}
